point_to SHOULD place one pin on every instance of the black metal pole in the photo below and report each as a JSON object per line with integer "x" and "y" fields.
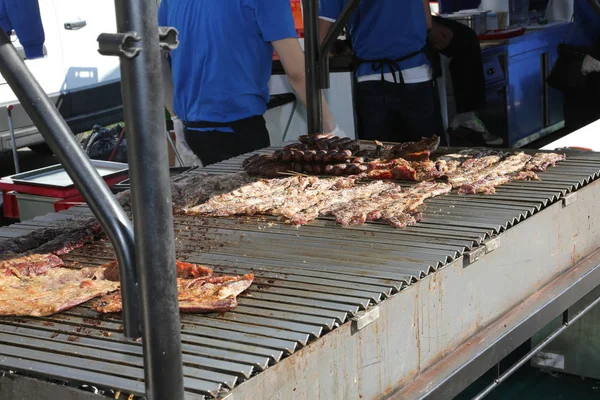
{"x": 311, "y": 54}
{"x": 151, "y": 196}
{"x": 61, "y": 140}
{"x": 330, "y": 38}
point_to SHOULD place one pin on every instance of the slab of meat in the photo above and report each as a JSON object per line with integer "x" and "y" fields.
{"x": 337, "y": 198}
{"x": 403, "y": 212}
{"x": 541, "y": 161}
{"x": 485, "y": 186}
{"x": 311, "y": 195}
{"x": 407, "y": 170}
{"x": 192, "y": 188}
{"x": 415, "y": 151}
{"x": 55, "y": 290}
{"x": 35, "y": 264}
{"x": 200, "y": 295}
{"x": 57, "y": 240}
{"x": 185, "y": 270}
{"x": 356, "y": 212}
{"x": 471, "y": 170}
{"x": 393, "y": 206}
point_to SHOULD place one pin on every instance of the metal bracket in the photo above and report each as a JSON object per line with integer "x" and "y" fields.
{"x": 168, "y": 37}
{"x": 119, "y": 44}
{"x": 569, "y": 199}
{"x": 492, "y": 245}
{"x": 365, "y": 318}
{"x": 474, "y": 255}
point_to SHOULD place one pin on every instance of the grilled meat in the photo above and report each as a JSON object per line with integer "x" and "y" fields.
{"x": 200, "y": 295}
{"x": 53, "y": 291}
{"x": 541, "y": 161}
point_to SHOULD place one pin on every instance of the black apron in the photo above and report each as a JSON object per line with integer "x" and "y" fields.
{"x": 249, "y": 134}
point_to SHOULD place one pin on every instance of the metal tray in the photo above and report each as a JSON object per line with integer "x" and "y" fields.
{"x": 125, "y": 185}
{"x": 55, "y": 176}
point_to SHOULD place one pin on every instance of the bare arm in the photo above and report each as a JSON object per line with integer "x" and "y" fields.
{"x": 292, "y": 58}
{"x": 324, "y": 27}
{"x": 168, "y": 89}
{"x": 427, "y": 14}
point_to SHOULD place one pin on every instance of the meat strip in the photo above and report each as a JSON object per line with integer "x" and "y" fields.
{"x": 200, "y": 295}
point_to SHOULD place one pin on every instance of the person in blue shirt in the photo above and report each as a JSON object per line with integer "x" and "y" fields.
{"x": 582, "y": 107}
{"x": 221, "y": 69}
{"x": 396, "y": 96}
{"x": 23, "y": 17}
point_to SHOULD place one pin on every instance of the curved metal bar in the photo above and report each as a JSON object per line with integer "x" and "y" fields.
{"x": 61, "y": 140}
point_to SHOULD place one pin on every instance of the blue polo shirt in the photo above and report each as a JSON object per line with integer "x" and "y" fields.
{"x": 223, "y": 63}
{"x": 384, "y": 29}
{"x": 586, "y": 29}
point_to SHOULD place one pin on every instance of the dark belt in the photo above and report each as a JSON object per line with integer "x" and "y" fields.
{"x": 235, "y": 125}
{"x": 392, "y": 64}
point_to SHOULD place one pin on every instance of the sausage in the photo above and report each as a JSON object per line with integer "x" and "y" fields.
{"x": 298, "y": 156}
{"x": 318, "y": 157}
{"x": 258, "y": 163}
{"x": 287, "y": 155}
{"x": 277, "y": 155}
{"x": 309, "y": 155}
{"x": 250, "y": 160}
{"x": 307, "y": 168}
{"x": 328, "y": 169}
{"x": 343, "y": 155}
{"x": 330, "y": 157}
{"x": 317, "y": 169}
{"x": 322, "y": 144}
{"x": 297, "y": 167}
{"x": 339, "y": 169}
{"x": 305, "y": 139}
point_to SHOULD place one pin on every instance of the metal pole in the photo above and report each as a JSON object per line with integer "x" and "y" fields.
{"x": 151, "y": 195}
{"x": 311, "y": 54}
{"x": 13, "y": 141}
{"x": 61, "y": 140}
{"x": 330, "y": 38}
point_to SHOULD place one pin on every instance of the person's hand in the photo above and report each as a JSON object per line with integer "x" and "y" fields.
{"x": 337, "y": 131}
{"x": 440, "y": 36}
{"x": 590, "y": 65}
{"x": 188, "y": 157}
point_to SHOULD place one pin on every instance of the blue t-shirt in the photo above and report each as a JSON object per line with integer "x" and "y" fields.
{"x": 223, "y": 63}
{"x": 23, "y": 16}
{"x": 586, "y": 29}
{"x": 383, "y": 29}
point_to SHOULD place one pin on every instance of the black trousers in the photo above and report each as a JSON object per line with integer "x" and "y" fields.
{"x": 466, "y": 66}
{"x": 214, "y": 146}
{"x": 582, "y": 107}
{"x": 395, "y": 112}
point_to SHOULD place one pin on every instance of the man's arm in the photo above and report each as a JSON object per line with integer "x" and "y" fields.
{"x": 292, "y": 58}
{"x": 168, "y": 89}
{"x": 427, "y": 14}
{"x": 324, "y": 27}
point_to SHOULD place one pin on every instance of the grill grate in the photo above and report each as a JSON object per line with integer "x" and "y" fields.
{"x": 309, "y": 280}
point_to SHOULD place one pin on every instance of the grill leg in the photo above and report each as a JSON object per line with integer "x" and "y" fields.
{"x": 151, "y": 195}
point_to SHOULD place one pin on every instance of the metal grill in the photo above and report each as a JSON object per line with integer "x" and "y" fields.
{"x": 309, "y": 280}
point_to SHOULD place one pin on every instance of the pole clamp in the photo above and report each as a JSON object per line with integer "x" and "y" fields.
{"x": 168, "y": 37}
{"x": 119, "y": 44}
{"x": 123, "y": 44}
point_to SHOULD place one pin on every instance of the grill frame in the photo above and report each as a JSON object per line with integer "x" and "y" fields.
{"x": 304, "y": 308}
